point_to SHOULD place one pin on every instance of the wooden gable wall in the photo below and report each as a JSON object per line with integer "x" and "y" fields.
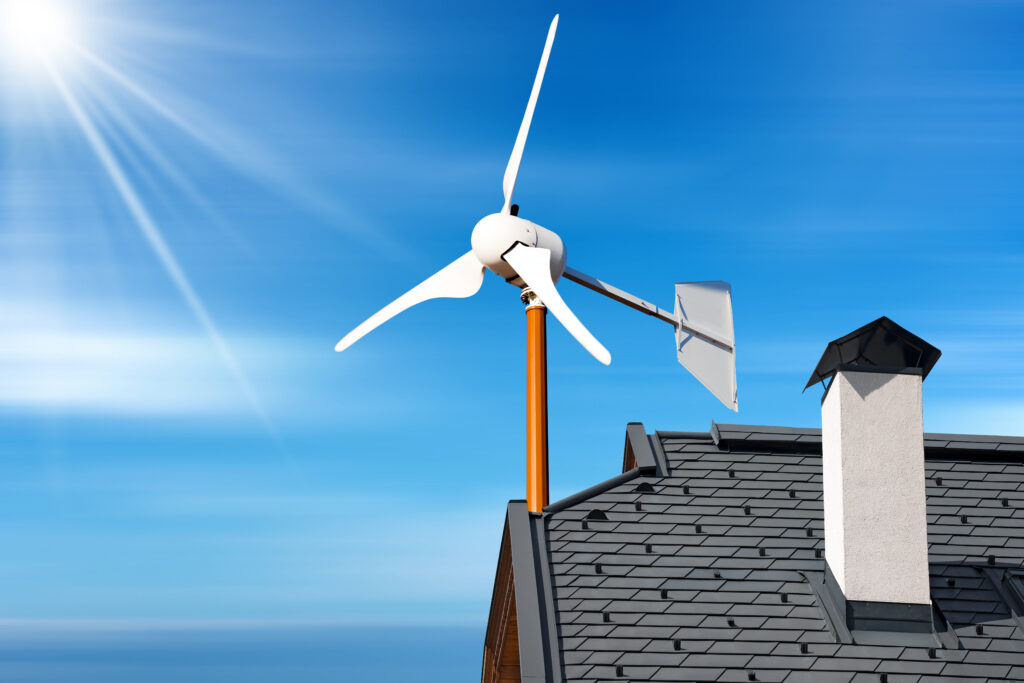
{"x": 501, "y": 644}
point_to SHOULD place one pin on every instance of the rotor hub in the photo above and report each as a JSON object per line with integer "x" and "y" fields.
{"x": 495, "y": 234}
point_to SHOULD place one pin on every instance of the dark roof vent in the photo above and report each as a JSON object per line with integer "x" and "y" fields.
{"x": 597, "y": 514}
{"x": 643, "y": 487}
{"x": 879, "y": 345}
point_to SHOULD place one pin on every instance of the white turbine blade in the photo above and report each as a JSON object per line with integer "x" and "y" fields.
{"x": 706, "y": 308}
{"x": 533, "y": 265}
{"x": 457, "y": 280}
{"x": 512, "y": 170}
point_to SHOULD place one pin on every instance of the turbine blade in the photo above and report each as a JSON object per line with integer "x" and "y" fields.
{"x": 512, "y": 170}
{"x": 459, "y": 279}
{"x": 533, "y": 265}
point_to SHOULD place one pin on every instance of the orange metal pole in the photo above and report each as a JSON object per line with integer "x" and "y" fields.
{"x": 536, "y": 403}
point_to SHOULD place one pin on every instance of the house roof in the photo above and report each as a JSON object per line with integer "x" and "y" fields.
{"x": 703, "y": 562}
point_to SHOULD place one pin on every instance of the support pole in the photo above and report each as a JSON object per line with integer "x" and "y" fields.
{"x": 536, "y": 402}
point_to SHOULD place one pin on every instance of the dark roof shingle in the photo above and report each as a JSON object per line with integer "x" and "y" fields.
{"x": 709, "y": 577}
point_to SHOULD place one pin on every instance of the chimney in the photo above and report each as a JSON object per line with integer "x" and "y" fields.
{"x": 876, "y": 529}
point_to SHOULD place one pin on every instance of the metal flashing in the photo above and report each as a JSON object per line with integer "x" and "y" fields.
{"x": 549, "y": 618}
{"x": 1016, "y": 441}
{"x": 729, "y": 437}
{"x": 536, "y": 657}
{"x": 862, "y": 615}
{"x": 998, "y": 448}
{"x": 830, "y": 610}
{"x": 698, "y": 436}
{"x": 1010, "y": 586}
{"x": 797, "y": 439}
{"x": 596, "y": 489}
{"x": 659, "y": 455}
{"x": 879, "y": 624}
{"x": 638, "y": 446}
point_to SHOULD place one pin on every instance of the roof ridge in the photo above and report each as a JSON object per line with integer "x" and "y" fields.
{"x": 934, "y": 436}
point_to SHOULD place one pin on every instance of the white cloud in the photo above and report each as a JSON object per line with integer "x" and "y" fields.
{"x": 51, "y": 362}
{"x": 64, "y": 356}
{"x": 119, "y": 372}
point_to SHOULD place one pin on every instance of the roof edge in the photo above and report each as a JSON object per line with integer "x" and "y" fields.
{"x": 538, "y": 660}
{"x": 803, "y": 439}
{"x": 581, "y": 496}
{"x": 645, "y": 451}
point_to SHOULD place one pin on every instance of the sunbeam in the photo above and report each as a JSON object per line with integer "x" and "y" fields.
{"x": 159, "y": 246}
{"x": 253, "y": 162}
{"x": 150, "y": 100}
{"x": 121, "y": 122}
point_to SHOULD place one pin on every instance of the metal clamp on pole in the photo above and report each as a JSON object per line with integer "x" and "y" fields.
{"x": 530, "y": 298}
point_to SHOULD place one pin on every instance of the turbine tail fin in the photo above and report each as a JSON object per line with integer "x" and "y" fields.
{"x": 705, "y": 341}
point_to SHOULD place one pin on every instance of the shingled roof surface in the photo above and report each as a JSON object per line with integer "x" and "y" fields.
{"x": 707, "y": 573}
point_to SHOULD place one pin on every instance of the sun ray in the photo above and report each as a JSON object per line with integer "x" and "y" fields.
{"x": 144, "y": 95}
{"x": 255, "y": 163}
{"x": 161, "y": 249}
{"x": 119, "y": 121}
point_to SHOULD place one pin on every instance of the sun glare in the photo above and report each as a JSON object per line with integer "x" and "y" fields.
{"x": 36, "y": 29}
{"x": 43, "y": 37}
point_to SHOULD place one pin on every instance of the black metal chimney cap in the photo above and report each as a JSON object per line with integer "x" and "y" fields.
{"x": 881, "y": 344}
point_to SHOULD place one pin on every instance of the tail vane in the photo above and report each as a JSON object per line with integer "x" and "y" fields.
{"x": 705, "y": 342}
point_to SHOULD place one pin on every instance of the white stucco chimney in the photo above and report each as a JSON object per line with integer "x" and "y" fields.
{"x": 876, "y": 529}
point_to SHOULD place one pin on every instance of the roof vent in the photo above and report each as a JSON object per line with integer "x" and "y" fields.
{"x": 880, "y": 346}
{"x": 598, "y": 515}
{"x": 643, "y": 487}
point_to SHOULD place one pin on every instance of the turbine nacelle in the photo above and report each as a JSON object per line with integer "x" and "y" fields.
{"x": 495, "y": 235}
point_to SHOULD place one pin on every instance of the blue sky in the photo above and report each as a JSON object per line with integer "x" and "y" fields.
{"x": 292, "y": 167}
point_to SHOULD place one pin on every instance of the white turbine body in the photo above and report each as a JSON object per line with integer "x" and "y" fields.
{"x": 533, "y": 257}
{"x": 497, "y": 233}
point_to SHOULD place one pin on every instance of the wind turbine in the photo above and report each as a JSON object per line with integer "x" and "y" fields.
{"x": 533, "y": 258}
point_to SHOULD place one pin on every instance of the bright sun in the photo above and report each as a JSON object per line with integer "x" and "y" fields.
{"x": 37, "y": 29}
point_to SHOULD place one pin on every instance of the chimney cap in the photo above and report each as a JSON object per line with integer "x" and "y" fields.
{"x": 879, "y": 345}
